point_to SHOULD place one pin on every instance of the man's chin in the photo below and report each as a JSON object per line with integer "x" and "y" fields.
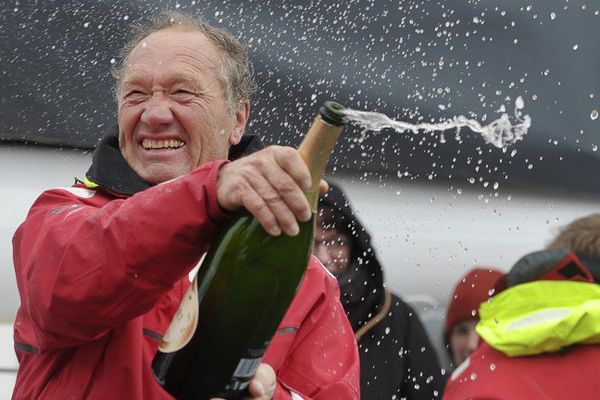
{"x": 159, "y": 175}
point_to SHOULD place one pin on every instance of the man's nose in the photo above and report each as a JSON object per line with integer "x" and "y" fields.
{"x": 157, "y": 112}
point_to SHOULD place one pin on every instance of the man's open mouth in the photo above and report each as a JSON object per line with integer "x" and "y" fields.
{"x": 149, "y": 144}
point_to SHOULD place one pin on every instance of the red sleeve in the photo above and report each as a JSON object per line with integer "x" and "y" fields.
{"x": 314, "y": 352}
{"x": 85, "y": 264}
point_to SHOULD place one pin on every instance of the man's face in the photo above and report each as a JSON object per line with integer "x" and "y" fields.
{"x": 333, "y": 248}
{"x": 463, "y": 340}
{"x": 173, "y": 116}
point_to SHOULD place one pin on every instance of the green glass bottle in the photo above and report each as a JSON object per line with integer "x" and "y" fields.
{"x": 242, "y": 291}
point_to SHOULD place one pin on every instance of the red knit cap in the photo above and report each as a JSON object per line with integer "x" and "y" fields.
{"x": 472, "y": 290}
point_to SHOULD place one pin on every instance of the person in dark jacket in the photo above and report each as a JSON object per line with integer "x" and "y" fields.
{"x": 541, "y": 330}
{"x": 396, "y": 356}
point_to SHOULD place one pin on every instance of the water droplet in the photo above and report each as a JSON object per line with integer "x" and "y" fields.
{"x": 575, "y": 47}
{"x": 387, "y": 330}
{"x": 530, "y": 166}
{"x": 491, "y": 292}
{"x": 473, "y": 376}
{"x": 594, "y": 115}
{"x": 553, "y": 15}
{"x": 595, "y": 147}
{"x": 519, "y": 103}
{"x": 493, "y": 366}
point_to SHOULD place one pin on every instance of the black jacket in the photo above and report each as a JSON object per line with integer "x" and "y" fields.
{"x": 396, "y": 356}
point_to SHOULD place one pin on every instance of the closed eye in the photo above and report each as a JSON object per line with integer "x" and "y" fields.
{"x": 183, "y": 95}
{"x": 135, "y": 95}
{"x": 183, "y": 92}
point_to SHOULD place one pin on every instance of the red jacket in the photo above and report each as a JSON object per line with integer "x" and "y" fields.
{"x": 100, "y": 277}
{"x": 488, "y": 374}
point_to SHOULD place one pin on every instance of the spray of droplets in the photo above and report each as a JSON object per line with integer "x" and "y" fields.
{"x": 500, "y": 133}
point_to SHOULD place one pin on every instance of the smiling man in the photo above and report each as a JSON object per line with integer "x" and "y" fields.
{"x": 102, "y": 266}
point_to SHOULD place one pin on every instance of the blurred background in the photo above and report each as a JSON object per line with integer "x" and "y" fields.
{"x": 435, "y": 207}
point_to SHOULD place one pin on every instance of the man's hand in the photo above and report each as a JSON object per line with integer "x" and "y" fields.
{"x": 262, "y": 385}
{"x": 270, "y": 184}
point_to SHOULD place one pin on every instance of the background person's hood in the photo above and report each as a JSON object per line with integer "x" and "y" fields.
{"x": 362, "y": 286}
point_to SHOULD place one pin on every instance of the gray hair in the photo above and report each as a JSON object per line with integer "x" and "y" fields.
{"x": 236, "y": 73}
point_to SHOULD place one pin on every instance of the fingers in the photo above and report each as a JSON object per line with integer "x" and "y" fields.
{"x": 323, "y": 187}
{"x": 258, "y": 207}
{"x": 291, "y": 162}
{"x": 263, "y": 384}
{"x": 289, "y": 178}
{"x": 270, "y": 185}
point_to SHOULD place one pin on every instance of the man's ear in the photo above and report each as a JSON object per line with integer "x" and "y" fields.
{"x": 241, "y": 119}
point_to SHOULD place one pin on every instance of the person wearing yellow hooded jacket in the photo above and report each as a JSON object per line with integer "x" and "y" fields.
{"x": 541, "y": 331}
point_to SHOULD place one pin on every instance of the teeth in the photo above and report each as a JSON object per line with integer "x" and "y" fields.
{"x": 162, "y": 144}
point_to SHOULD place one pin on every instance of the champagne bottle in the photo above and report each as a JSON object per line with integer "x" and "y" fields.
{"x": 242, "y": 291}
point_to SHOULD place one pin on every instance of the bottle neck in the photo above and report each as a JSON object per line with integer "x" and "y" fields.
{"x": 315, "y": 149}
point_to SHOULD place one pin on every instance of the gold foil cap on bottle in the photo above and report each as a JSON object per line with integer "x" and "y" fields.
{"x": 318, "y": 145}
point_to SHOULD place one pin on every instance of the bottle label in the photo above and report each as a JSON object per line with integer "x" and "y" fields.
{"x": 245, "y": 370}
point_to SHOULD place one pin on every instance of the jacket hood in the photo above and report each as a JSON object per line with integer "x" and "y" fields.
{"x": 557, "y": 264}
{"x": 541, "y": 317}
{"x": 551, "y": 301}
{"x": 362, "y": 285}
{"x": 111, "y": 172}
